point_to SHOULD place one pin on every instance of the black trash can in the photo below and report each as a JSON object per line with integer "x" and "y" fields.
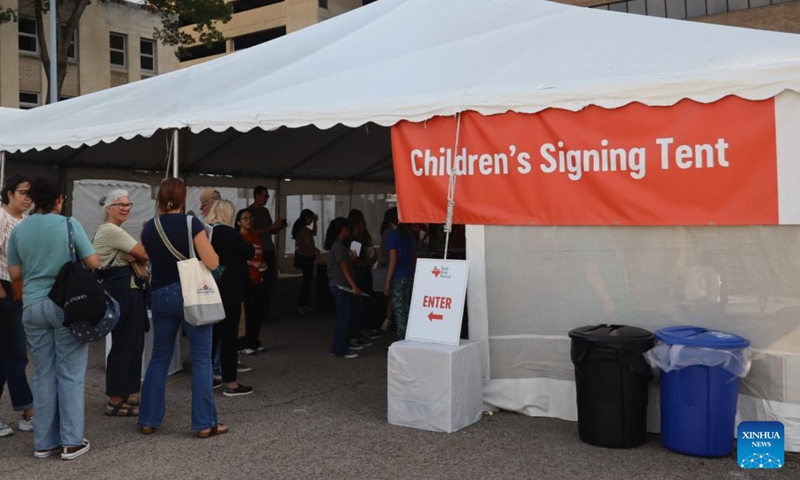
{"x": 612, "y": 380}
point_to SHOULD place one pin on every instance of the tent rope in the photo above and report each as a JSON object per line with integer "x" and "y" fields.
{"x": 451, "y": 189}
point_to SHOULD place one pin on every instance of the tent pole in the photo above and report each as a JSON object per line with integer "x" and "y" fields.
{"x": 3, "y": 169}
{"x": 53, "y": 53}
{"x": 175, "y": 153}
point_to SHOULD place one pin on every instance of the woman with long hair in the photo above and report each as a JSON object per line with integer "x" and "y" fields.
{"x": 234, "y": 252}
{"x": 305, "y": 253}
{"x": 167, "y": 305}
{"x": 362, "y": 272}
{"x": 116, "y": 249}
{"x": 37, "y": 250}
{"x": 342, "y": 285}
{"x": 400, "y": 274}
{"x": 13, "y": 344}
{"x": 250, "y": 344}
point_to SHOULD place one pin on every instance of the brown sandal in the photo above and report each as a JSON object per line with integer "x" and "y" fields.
{"x": 121, "y": 409}
{"x": 219, "y": 429}
{"x": 147, "y": 430}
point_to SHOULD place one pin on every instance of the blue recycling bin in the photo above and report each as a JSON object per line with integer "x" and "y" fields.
{"x": 698, "y": 402}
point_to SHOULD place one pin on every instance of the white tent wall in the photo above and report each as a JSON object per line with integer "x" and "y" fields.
{"x": 87, "y": 209}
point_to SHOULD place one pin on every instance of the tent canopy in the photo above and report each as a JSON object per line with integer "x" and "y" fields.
{"x": 400, "y": 60}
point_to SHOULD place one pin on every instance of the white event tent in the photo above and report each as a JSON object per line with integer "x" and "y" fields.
{"x": 316, "y": 104}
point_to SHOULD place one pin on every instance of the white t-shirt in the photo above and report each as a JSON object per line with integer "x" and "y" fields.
{"x": 7, "y": 224}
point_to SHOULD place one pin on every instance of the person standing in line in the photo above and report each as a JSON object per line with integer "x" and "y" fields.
{"x": 167, "y": 305}
{"x": 265, "y": 228}
{"x": 234, "y": 253}
{"x": 13, "y": 344}
{"x": 38, "y": 248}
{"x": 380, "y": 273}
{"x": 117, "y": 249}
{"x": 400, "y": 274}
{"x": 362, "y": 272}
{"x": 250, "y": 344}
{"x": 342, "y": 285}
{"x": 305, "y": 254}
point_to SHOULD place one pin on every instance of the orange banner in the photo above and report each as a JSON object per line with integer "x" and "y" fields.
{"x": 687, "y": 164}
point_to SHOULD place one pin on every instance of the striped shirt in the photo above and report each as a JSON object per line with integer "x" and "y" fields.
{"x": 7, "y": 224}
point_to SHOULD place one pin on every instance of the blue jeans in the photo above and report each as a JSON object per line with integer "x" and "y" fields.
{"x": 14, "y": 354}
{"x": 59, "y": 369}
{"x": 167, "y": 304}
{"x": 344, "y": 313}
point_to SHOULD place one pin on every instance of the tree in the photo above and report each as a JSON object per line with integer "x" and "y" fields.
{"x": 205, "y": 14}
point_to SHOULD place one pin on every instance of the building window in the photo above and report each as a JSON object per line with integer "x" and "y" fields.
{"x": 72, "y": 53}
{"x": 202, "y": 51}
{"x": 28, "y": 41}
{"x": 118, "y": 50}
{"x": 147, "y": 56}
{"x": 323, "y": 4}
{"x": 251, "y": 39}
{"x": 28, "y": 100}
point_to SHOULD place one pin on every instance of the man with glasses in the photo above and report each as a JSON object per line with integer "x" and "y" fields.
{"x": 265, "y": 228}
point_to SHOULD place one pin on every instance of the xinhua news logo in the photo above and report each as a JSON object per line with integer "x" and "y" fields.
{"x": 760, "y": 445}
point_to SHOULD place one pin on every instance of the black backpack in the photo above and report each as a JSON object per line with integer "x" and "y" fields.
{"x": 88, "y": 309}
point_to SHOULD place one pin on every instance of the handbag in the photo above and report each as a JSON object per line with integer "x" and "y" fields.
{"x": 140, "y": 270}
{"x": 90, "y": 312}
{"x": 202, "y": 304}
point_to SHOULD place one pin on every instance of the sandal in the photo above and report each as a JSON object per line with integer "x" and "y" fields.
{"x": 213, "y": 431}
{"x": 121, "y": 409}
{"x": 147, "y": 430}
{"x": 134, "y": 402}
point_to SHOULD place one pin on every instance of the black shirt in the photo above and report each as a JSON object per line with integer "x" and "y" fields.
{"x": 234, "y": 252}
{"x": 164, "y": 265}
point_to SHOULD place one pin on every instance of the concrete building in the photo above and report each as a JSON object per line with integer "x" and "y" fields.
{"x": 259, "y": 21}
{"x": 775, "y": 15}
{"x": 113, "y": 45}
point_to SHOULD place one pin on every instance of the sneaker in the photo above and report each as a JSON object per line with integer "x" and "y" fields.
{"x": 248, "y": 351}
{"x": 238, "y": 391}
{"x": 374, "y": 335}
{"x": 5, "y": 430}
{"x": 47, "y": 453}
{"x": 355, "y": 346}
{"x": 216, "y": 383}
{"x": 361, "y": 343}
{"x": 261, "y": 349}
{"x": 25, "y": 424}
{"x": 242, "y": 368}
{"x": 350, "y": 355}
{"x": 71, "y": 453}
{"x": 386, "y": 324}
{"x": 217, "y": 373}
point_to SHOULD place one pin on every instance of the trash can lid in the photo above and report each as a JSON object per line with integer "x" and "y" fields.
{"x": 701, "y": 337}
{"x": 611, "y": 334}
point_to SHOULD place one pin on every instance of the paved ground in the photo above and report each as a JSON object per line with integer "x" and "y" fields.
{"x": 316, "y": 417}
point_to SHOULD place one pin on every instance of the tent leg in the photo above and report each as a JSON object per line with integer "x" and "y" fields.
{"x": 175, "y": 153}
{"x": 3, "y": 168}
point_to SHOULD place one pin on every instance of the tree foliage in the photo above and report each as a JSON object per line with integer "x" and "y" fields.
{"x": 174, "y": 14}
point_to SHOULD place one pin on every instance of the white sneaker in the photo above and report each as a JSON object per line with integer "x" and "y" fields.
{"x": 25, "y": 424}
{"x": 71, "y": 453}
{"x": 5, "y": 430}
{"x": 47, "y": 453}
{"x": 386, "y": 324}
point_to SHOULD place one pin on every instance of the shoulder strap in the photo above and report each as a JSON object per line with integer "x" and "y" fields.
{"x": 70, "y": 237}
{"x": 189, "y": 232}
{"x": 160, "y": 229}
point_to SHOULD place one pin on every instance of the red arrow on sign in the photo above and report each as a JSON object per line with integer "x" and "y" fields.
{"x": 436, "y": 272}
{"x": 432, "y": 316}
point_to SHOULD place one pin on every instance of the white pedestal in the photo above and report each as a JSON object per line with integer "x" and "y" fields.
{"x": 175, "y": 365}
{"x": 434, "y": 387}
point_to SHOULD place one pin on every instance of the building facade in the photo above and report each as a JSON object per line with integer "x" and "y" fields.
{"x": 775, "y": 15}
{"x": 259, "y": 21}
{"x": 112, "y": 45}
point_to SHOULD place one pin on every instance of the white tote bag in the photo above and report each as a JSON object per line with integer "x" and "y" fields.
{"x": 202, "y": 304}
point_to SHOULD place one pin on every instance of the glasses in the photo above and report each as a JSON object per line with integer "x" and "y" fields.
{"x": 24, "y": 193}
{"x": 122, "y": 206}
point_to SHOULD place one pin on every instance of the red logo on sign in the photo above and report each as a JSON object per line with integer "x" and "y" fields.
{"x": 432, "y": 316}
{"x": 436, "y": 272}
